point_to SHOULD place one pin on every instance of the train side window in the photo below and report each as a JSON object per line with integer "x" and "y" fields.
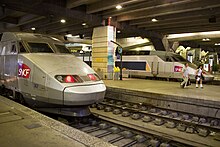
{"x": 22, "y": 49}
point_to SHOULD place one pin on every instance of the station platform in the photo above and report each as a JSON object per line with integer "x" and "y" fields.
{"x": 22, "y": 126}
{"x": 167, "y": 95}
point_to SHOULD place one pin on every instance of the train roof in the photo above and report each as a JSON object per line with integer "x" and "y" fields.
{"x": 8, "y": 36}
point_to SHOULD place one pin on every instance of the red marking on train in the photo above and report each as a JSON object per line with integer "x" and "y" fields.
{"x": 178, "y": 68}
{"x": 23, "y": 71}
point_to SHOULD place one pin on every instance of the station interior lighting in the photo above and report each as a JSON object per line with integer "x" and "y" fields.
{"x": 33, "y": 28}
{"x": 69, "y": 35}
{"x": 62, "y": 20}
{"x": 198, "y": 34}
{"x": 154, "y": 20}
{"x": 118, "y": 31}
{"x": 217, "y": 44}
{"x": 205, "y": 39}
{"x": 84, "y": 24}
{"x": 118, "y": 7}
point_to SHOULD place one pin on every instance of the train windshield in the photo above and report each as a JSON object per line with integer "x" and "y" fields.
{"x": 177, "y": 58}
{"x": 62, "y": 49}
{"x": 40, "y": 48}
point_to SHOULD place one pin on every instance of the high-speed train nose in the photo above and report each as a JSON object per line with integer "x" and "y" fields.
{"x": 83, "y": 95}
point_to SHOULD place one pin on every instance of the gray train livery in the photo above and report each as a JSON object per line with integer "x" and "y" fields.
{"x": 39, "y": 71}
{"x": 159, "y": 64}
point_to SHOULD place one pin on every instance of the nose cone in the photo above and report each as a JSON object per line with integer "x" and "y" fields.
{"x": 84, "y": 95}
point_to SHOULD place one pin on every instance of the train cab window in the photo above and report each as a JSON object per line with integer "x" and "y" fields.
{"x": 168, "y": 59}
{"x": 40, "y": 48}
{"x": 13, "y": 49}
{"x": 178, "y": 59}
{"x": 22, "y": 49}
{"x": 61, "y": 48}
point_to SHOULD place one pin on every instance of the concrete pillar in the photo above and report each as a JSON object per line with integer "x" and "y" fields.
{"x": 103, "y": 51}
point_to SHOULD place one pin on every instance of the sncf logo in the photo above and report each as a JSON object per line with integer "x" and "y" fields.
{"x": 178, "y": 68}
{"x": 23, "y": 71}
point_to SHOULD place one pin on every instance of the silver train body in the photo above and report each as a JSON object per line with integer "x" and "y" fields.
{"x": 158, "y": 64}
{"x": 38, "y": 70}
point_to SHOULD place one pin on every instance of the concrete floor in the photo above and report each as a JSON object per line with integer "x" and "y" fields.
{"x": 209, "y": 92}
{"x": 22, "y": 127}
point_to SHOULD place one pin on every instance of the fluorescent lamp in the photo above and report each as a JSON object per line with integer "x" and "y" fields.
{"x": 154, "y": 20}
{"x": 118, "y": 7}
{"x": 62, "y": 20}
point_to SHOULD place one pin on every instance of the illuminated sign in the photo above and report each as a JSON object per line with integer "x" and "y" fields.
{"x": 23, "y": 70}
{"x": 178, "y": 68}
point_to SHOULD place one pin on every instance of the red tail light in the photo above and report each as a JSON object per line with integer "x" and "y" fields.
{"x": 69, "y": 79}
{"x": 92, "y": 77}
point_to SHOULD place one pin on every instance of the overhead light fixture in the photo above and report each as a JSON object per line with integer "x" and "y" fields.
{"x": 110, "y": 17}
{"x": 69, "y": 35}
{"x": 174, "y": 36}
{"x": 33, "y": 29}
{"x": 62, "y": 20}
{"x": 118, "y": 31}
{"x": 205, "y": 39}
{"x": 217, "y": 44}
{"x": 154, "y": 20}
{"x": 84, "y": 24}
{"x": 118, "y": 7}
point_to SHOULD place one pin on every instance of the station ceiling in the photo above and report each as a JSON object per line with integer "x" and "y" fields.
{"x": 133, "y": 19}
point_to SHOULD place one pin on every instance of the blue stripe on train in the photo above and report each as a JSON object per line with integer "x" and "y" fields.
{"x": 132, "y": 65}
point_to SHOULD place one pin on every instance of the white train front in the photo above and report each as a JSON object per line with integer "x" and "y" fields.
{"x": 38, "y": 70}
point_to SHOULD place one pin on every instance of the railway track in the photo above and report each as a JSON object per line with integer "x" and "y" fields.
{"x": 119, "y": 135}
{"x": 181, "y": 127}
{"x": 150, "y": 113}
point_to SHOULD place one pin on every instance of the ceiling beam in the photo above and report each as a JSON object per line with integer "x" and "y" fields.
{"x": 38, "y": 23}
{"x": 8, "y": 19}
{"x": 145, "y": 5}
{"x": 189, "y": 29}
{"x": 29, "y": 18}
{"x": 66, "y": 29}
{"x": 195, "y": 15}
{"x": 63, "y": 28}
{"x": 47, "y": 9}
{"x": 196, "y": 22}
{"x": 193, "y": 6}
{"x": 75, "y": 3}
{"x": 108, "y": 4}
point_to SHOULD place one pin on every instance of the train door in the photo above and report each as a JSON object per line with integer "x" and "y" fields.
{"x": 2, "y": 62}
{"x": 10, "y": 64}
{"x": 39, "y": 93}
{"x": 155, "y": 66}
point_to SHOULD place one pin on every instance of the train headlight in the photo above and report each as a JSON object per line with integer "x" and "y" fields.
{"x": 59, "y": 78}
{"x": 68, "y": 79}
{"x": 93, "y": 77}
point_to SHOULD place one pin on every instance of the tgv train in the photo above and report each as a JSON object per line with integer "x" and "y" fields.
{"x": 160, "y": 64}
{"x": 39, "y": 71}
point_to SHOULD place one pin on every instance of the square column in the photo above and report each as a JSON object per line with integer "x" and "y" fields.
{"x": 103, "y": 51}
